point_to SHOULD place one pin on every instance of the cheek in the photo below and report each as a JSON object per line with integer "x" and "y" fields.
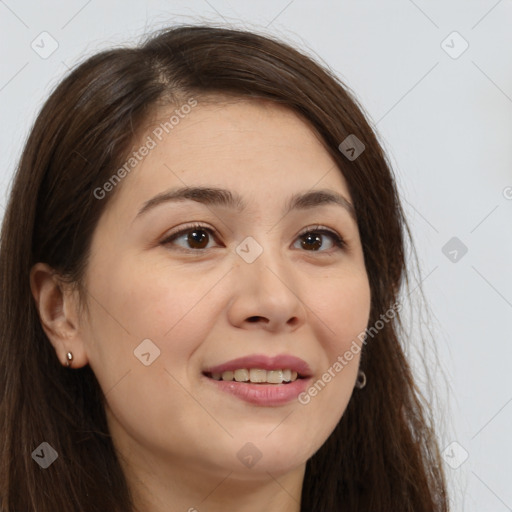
{"x": 134, "y": 303}
{"x": 176, "y": 315}
{"x": 151, "y": 300}
{"x": 343, "y": 310}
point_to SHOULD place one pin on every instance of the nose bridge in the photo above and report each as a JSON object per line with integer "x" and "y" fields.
{"x": 265, "y": 284}
{"x": 264, "y": 259}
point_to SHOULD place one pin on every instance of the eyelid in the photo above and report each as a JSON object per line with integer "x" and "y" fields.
{"x": 338, "y": 239}
{"x": 189, "y": 227}
{"x": 185, "y": 229}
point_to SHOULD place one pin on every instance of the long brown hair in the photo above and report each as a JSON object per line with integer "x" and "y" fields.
{"x": 383, "y": 454}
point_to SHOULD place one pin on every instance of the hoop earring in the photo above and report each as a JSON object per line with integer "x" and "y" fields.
{"x": 361, "y": 380}
{"x": 69, "y": 356}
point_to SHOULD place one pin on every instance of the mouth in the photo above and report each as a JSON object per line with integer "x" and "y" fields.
{"x": 261, "y": 380}
{"x": 283, "y": 369}
{"x": 257, "y": 376}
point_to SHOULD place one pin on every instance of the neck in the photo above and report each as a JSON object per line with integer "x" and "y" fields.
{"x": 185, "y": 488}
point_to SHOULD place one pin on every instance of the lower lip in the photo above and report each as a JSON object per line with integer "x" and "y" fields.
{"x": 263, "y": 394}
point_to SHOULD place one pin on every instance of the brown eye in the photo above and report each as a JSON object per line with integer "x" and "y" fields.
{"x": 194, "y": 237}
{"x": 313, "y": 240}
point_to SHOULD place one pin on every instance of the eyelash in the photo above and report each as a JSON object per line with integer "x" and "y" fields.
{"x": 339, "y": 242}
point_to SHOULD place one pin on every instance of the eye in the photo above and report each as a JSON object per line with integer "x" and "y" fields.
{"x": 312, "y": 239}
{"x": 198, "y": 236}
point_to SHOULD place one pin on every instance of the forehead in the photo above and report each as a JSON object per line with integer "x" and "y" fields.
{"x": 234, "y": 125}
{"x": 259, "y": 149}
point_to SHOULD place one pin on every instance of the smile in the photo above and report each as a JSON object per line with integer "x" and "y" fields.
{"x": 256, "y": 375}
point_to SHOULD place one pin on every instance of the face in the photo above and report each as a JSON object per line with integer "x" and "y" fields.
{"x": 180, "y": 289}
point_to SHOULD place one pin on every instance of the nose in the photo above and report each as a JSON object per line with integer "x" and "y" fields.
{"x": 266, "y": 294}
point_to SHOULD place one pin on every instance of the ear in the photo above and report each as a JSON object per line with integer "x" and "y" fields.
{"x": 57, "y": 305}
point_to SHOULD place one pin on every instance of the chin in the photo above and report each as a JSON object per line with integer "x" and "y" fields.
{"x": 267, "y": 467}
{"x": 276, "y": 454}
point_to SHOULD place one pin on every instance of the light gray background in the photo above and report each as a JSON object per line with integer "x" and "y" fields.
{"x": 446, "y": 124}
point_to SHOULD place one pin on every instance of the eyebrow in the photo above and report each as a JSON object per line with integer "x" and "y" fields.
{"x": 223, "y": 197}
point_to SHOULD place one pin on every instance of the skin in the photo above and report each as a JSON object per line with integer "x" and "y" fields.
{"x": 178, "y": 436}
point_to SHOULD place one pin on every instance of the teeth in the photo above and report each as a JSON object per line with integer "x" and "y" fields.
{"x": 240, "y": 375}
{"x": 226, "y": 375}
{"x": 274, "y": 376}
{"x": 257, "y": 375}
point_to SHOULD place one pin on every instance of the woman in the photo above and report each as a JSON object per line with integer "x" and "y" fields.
{"x": 201, "y": 260}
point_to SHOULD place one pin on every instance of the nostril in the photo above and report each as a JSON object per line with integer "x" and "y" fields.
{"x": 254, "y": 318}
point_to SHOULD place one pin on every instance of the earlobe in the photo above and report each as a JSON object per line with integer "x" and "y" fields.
{"x": 57, "y": 305}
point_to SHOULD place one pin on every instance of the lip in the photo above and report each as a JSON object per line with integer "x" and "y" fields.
{"x": 264, "y": 362}
{"x": 265, "y": 395}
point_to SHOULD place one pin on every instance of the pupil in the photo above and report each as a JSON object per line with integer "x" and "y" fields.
{"x": 314, "y": 238}
{"x": 197, "y": 233}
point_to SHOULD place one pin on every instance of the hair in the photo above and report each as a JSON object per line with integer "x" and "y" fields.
{"x": 382, "y": 455}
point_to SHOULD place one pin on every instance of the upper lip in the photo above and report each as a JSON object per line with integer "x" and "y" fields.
{"x": 264, "y": 362}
